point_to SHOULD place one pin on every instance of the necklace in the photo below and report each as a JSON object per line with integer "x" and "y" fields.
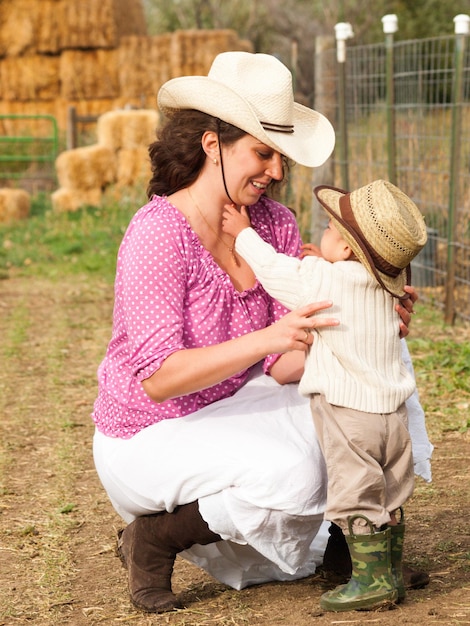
{"x": 231, "y": 248}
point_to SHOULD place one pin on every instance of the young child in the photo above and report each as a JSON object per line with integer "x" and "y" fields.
{"x": 354, "y": 373}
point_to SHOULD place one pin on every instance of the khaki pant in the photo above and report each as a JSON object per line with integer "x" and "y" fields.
{"x": 369, "y": 462}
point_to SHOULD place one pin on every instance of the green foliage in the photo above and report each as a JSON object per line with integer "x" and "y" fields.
{"x": 427, "y": 18}
{"x": 264, "y": 22}
{"x": 251, "y": 19}
{"x": 165, "y": 16}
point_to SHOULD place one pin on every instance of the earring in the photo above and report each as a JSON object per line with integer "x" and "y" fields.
{"x": 215, "y": 162}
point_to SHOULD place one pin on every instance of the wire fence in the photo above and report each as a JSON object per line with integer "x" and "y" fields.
{"x": 402, "y": 113}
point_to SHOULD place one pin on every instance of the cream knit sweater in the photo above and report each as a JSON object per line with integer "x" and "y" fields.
{"x": 357, "y": 364}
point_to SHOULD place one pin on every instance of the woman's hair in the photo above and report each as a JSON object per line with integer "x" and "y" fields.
{"x": 177, "y": 156}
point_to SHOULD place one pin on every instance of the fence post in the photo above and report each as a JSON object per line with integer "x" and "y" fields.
{"x": 461, "y": 23}
{"x": 294, "y": 62}
{"x": 325, "y": 102}
{"x": 390, "y": 26}
{"x": 71, "y": 128}
{"x": 290, "y": 193}
{"x": 343, "y": 31}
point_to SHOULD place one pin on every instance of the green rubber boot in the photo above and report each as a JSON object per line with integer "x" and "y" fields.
{"x": 371, "y": 585}
{"x": 397, "y": 537}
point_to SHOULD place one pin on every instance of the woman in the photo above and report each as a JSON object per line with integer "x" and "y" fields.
{"x": 194, "y": 443}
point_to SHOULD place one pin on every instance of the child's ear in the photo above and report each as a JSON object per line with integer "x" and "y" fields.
{"x": 347, "y": 252}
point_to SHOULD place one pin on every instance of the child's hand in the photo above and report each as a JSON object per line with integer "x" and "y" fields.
{"x": 233, "y": 221}
{"x": 309, "y": 249}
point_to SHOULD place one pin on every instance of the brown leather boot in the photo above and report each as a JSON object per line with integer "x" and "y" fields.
{"x": 148, "y": 548}
{"x": 336, "y": 567}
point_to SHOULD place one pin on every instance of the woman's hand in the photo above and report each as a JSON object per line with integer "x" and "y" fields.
{"x": 405, "y": 310}
{"x": 293, "y": 331}
{"x": 187, "y": 371}
{"x": 290, "y": 365}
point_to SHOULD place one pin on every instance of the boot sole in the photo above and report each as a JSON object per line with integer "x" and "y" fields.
{"x": 166, "y": 607}
{"x": 375, "y": 605}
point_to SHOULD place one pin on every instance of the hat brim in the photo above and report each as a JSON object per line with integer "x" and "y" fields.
{"x": 311, "y": 143}
{"x": 329, "y": 198}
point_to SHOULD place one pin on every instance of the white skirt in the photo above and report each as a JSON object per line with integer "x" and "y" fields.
{"x": 254, "y": 464}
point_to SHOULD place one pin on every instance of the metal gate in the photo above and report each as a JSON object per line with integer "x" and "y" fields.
{"x": 29, "y": 146}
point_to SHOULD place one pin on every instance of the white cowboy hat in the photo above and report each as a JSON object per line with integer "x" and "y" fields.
{"x": 254, "y": 93}
{"x": 384, "y": 228}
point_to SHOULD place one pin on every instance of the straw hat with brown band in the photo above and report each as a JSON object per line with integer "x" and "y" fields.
{"x": 384, "y": 228}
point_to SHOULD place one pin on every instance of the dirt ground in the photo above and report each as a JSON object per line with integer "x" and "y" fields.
{"x": 57, "y": 528}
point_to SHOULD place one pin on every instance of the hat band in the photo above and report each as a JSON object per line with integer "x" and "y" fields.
{"x": 379, "y": 262}
{"x": 279, "y": 128}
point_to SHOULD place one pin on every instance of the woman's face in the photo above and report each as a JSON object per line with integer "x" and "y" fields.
{"x": 249, "y": 167}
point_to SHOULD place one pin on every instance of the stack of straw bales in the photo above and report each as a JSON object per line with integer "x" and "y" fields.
{"x": 120, "y": 157}
{"x": 52, "y": 26}
{"x": 55, "y": 53}
{"x": 15, "y": 204}
{"x": 93, "y": 55}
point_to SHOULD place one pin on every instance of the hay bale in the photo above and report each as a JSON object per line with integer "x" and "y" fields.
{"x": 15, "y": 204}
{"x": 90, "y": 24}
{"x": 91, "y": 167}
{"x": 17, "y": 26}
{"x": 127, "y": 129}
{"x": 30, "y": 78}
{"x": 59, "y": 107}
{"x": 133, "y": 167}
{"x": 50, "y": 26}
{"x": 15, "y": 124}
{"x": 130, "y": 18}
{"x": 192, "y": 51}
{"x": 43, "y": 107}
{"x": 68, "y": 200}
{"x": 178, "y": 54}
{"x": 89, "y": 74}
{"x": 93, "y": 108}
{"x": 144, "y": 65}
{"x": 217, "y": 41}
{"x": 30, "y": 26}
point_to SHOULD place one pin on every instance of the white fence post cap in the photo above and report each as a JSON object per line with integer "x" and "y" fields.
{"x": 343, "y": 31}
{"x": 390, "y": 23}
{"x": 462, "y": 24}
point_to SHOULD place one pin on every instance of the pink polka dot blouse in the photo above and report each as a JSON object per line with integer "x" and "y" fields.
{"x": 170, "y": 295}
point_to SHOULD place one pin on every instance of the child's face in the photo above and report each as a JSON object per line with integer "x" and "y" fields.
{"x": 333, "y": 246}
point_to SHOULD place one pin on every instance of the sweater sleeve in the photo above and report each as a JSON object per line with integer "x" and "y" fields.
{"x": 280, "y": 275}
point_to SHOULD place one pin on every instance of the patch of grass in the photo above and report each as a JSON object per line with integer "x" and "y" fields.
{"x": 57, "y": 245}
{"x": 445, "y": 356}
{"x": 15, "y": 334}
{"x": 67, "y": 508}
{"x": 441, "y": 359}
